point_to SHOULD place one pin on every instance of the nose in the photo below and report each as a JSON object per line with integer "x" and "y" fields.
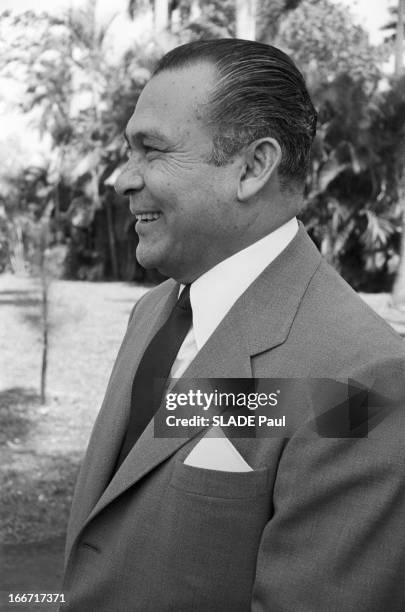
{"x": 129, "y": 180}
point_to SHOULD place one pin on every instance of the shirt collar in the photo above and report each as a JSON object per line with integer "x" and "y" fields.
{"x": 214, "y": 293}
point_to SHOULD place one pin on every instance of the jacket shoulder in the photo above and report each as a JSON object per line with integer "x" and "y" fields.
{"x": 345, "y": 322}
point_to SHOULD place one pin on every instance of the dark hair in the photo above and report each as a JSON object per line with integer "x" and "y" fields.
{"x": 259, "y": 92}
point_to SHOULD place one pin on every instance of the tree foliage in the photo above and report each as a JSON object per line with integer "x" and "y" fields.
{"x": 351, "y": 198}
{"x": 81, "y": 99}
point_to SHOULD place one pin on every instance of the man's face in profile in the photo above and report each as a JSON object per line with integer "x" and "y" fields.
{"x": 182, "y": 201}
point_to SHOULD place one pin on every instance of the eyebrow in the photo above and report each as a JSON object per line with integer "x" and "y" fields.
{"x": 152, "y": 133}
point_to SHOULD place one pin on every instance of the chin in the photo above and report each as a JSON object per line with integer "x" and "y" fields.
{"x": 150, "y": 261}
{"x": 163, "y": 264}
{"x": 147, "y": 259}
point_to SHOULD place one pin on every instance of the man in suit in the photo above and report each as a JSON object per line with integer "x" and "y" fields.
{"x": 218, "y": 151}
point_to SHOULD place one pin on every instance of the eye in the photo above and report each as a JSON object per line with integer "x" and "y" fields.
{"x": 148, "y": 149}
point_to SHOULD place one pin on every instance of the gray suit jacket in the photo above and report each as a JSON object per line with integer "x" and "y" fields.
{"x": 317, "y": 525}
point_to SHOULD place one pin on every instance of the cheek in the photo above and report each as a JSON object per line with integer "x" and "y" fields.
{"x": 193, "y": 201}
{"x": 180, "y": 181}
{"x": 164, "y": 188}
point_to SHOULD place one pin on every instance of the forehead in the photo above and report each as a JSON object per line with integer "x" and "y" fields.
{"x": 169, "y": 103}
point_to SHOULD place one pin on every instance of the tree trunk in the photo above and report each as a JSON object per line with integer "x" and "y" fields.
{"x": 245, "y": 19}
{"x": 17, "y": 254}
{"x": 161, "y": 15}
{"x": 399, "y": 40}
{"x": 111, "y": 239}
{"x": 98, "y": 202}
{"x": 195, "y": 10}
{"x": 398, "y": 292}
{"x": 45, "y": 327}
{"x": 44, "y": 365}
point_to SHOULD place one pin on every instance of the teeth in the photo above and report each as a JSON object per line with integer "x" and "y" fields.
{"x": 148, "y": 216}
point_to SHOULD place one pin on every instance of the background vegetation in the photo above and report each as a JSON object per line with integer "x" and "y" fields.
{"x": 81, "y": 95}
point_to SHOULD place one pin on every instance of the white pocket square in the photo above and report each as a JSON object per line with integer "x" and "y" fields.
{"x": 215, "y": 452}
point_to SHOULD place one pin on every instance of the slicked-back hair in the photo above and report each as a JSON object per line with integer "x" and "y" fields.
{"x": 259, "y": 92}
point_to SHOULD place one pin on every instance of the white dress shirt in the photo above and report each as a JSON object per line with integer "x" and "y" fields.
{"x": 214, "y": 293}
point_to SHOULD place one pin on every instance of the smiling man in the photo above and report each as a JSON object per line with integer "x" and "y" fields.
{"x": 219, "y": 147}
{"x": 180, "y": 196}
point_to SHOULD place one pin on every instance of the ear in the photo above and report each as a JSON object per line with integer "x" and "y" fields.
{"x": 261, "y": 160}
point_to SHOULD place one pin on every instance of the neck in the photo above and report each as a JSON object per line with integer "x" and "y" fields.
{"x": 213, "y": 259}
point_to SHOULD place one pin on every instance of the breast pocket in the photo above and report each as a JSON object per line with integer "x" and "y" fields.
{"x": 214, "y": 521}
{"x": 218, "y": 483}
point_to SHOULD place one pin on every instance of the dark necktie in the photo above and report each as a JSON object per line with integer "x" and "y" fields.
{"x": 153, "y": 370}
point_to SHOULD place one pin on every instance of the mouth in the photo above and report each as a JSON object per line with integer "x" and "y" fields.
{"x": 148, "y": 217}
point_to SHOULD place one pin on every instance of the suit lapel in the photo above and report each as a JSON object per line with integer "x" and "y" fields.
{"x": 258, "y": 321}
{"x": 213, "y": 361}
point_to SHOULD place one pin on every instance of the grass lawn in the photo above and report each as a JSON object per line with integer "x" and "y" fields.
{"x": 41, "y": 446}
